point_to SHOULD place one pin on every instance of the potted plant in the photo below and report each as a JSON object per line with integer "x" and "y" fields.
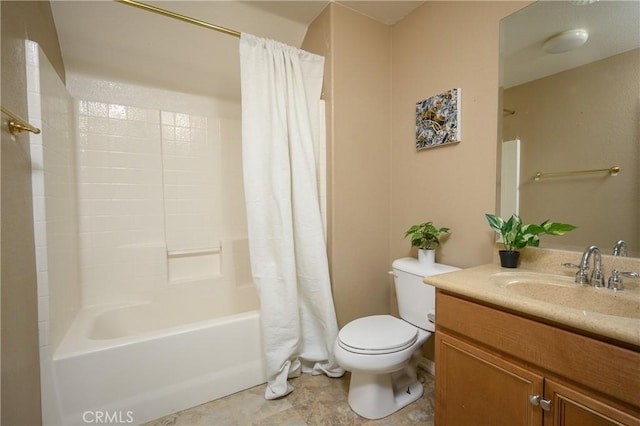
{"x": 516, "y": 234}
{"x": 426, "y": 237}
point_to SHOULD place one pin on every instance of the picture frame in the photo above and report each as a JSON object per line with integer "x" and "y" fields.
{"x": 438, "y": 120}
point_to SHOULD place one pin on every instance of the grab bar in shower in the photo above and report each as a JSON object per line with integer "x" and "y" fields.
{"x": 194, "y": 252}
{"x": 18, "y": 124}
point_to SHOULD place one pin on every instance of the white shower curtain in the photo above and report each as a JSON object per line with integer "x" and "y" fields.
{"x": 281, "y": 88}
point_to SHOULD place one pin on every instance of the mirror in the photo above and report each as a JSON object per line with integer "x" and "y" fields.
{"x": 571, "y": 117}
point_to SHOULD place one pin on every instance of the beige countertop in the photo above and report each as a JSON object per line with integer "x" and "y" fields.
{"x": 489, "y": 283}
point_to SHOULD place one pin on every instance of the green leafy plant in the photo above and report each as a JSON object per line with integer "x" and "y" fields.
{"x": 425, "y": 236}
{"x": 516, "y": 234}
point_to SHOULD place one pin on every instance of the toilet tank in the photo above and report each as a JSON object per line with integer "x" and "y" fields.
{"x": 415, "y": 298}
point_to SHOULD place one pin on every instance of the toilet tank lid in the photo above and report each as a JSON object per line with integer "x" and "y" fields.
{"x": 410, "y": 265}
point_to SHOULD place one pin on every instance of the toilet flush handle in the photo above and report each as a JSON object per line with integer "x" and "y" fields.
{"x": 392, "y": 273}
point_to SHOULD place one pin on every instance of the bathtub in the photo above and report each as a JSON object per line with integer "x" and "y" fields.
{"x": 196, "y": 342}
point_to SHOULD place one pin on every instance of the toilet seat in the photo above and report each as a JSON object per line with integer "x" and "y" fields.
{"x": 377, "y": 334}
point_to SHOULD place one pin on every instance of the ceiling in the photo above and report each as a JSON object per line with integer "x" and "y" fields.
{"x": 118, "y": 42}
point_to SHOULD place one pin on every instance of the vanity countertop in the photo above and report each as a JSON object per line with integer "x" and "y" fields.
{"x": 479, "y": 283}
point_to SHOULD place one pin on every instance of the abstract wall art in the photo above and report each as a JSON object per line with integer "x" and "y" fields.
{"x": 438, "y": 120}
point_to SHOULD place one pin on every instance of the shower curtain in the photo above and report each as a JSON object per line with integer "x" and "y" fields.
{"x": 281, "y": 88}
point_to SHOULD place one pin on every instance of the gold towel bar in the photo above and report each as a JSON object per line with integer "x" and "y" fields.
{"x": 17, "y": 124}
{"x": 611, "y": 170}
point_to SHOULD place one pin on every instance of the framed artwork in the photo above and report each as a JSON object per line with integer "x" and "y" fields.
{"x": 438, "y": 120}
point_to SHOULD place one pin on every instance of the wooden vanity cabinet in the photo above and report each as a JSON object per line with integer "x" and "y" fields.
{"x": 474, "y": 387}
{"x": 491, "y": 365}
{"x": 571, "y": 406}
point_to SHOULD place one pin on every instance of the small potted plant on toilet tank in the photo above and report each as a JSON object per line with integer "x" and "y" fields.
{"x": 426, "y": 237}
{"x": 516, "y": 235}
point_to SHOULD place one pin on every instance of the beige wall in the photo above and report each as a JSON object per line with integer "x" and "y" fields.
{"x": 378, "y": 184}
{"x": 443, "y": 45}
{"x": 561, "y": 128}
{"x": 440, "y": 46}
{"x": 20, "y": 367}
{"x": 358, "y": 94}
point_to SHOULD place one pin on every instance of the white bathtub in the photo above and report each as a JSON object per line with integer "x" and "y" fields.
{"x": 196, "y": 342}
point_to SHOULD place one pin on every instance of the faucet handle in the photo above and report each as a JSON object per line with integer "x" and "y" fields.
{"x": 582, "y": 277}
{"x": 615, "y": 282}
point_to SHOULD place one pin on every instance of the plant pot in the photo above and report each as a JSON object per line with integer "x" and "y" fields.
{"x": 509, "y": 258}
{"x": 426, "y": 257}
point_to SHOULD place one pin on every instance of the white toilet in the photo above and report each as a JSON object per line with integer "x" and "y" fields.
{"x": 382, "y": 352}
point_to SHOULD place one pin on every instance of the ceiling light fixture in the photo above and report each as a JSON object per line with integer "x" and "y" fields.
{"x": 566, "y": 41}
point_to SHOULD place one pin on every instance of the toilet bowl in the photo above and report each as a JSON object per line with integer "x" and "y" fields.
{"x": 383, "y": 377}
{"x": 382, "y": 352}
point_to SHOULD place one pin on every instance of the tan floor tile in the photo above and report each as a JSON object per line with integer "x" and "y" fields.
{"x": 316, "y": 401}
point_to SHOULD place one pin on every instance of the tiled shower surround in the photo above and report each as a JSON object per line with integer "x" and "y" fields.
{"x": 149, "y": 194}
{"x": 148, "y": 186}
{"x": 120, "y": 197}
{"x": 54, "y": 199}
{"x": 127, "y": 194}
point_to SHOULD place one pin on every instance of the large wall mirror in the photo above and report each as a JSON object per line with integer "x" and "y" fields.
{"x": 569, "y": 117}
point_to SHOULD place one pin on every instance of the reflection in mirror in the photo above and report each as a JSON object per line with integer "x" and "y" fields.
{"x": 574, "y": 111}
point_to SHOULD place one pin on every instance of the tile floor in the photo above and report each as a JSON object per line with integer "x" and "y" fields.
{"x": 316, "y": 400}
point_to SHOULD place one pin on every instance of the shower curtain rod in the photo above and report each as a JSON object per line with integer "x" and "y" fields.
{"x": 179, "y": 17}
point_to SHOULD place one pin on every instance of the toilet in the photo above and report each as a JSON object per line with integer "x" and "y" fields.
{"x": 382, "y": 352}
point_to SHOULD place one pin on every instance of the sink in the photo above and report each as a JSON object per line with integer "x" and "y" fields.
{"x": 562, "y": 291}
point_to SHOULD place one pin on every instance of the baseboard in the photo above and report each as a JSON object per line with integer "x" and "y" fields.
{"x": 428, "y": 365}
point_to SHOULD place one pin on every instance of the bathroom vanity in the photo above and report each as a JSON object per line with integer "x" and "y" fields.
{"x": 507, "y": 359}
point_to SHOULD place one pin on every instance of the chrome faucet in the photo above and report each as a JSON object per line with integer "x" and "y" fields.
{"x": 615, "y": 282}
{"x": 597, "y": 276}
{"x": 620, "y": 248}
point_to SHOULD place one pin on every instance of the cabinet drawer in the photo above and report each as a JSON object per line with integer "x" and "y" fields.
{"x": 599, "y": 366}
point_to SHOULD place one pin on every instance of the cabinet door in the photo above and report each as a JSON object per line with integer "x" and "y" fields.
{"x": 571, "y": 407}
{"x": 474, "y": 387}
